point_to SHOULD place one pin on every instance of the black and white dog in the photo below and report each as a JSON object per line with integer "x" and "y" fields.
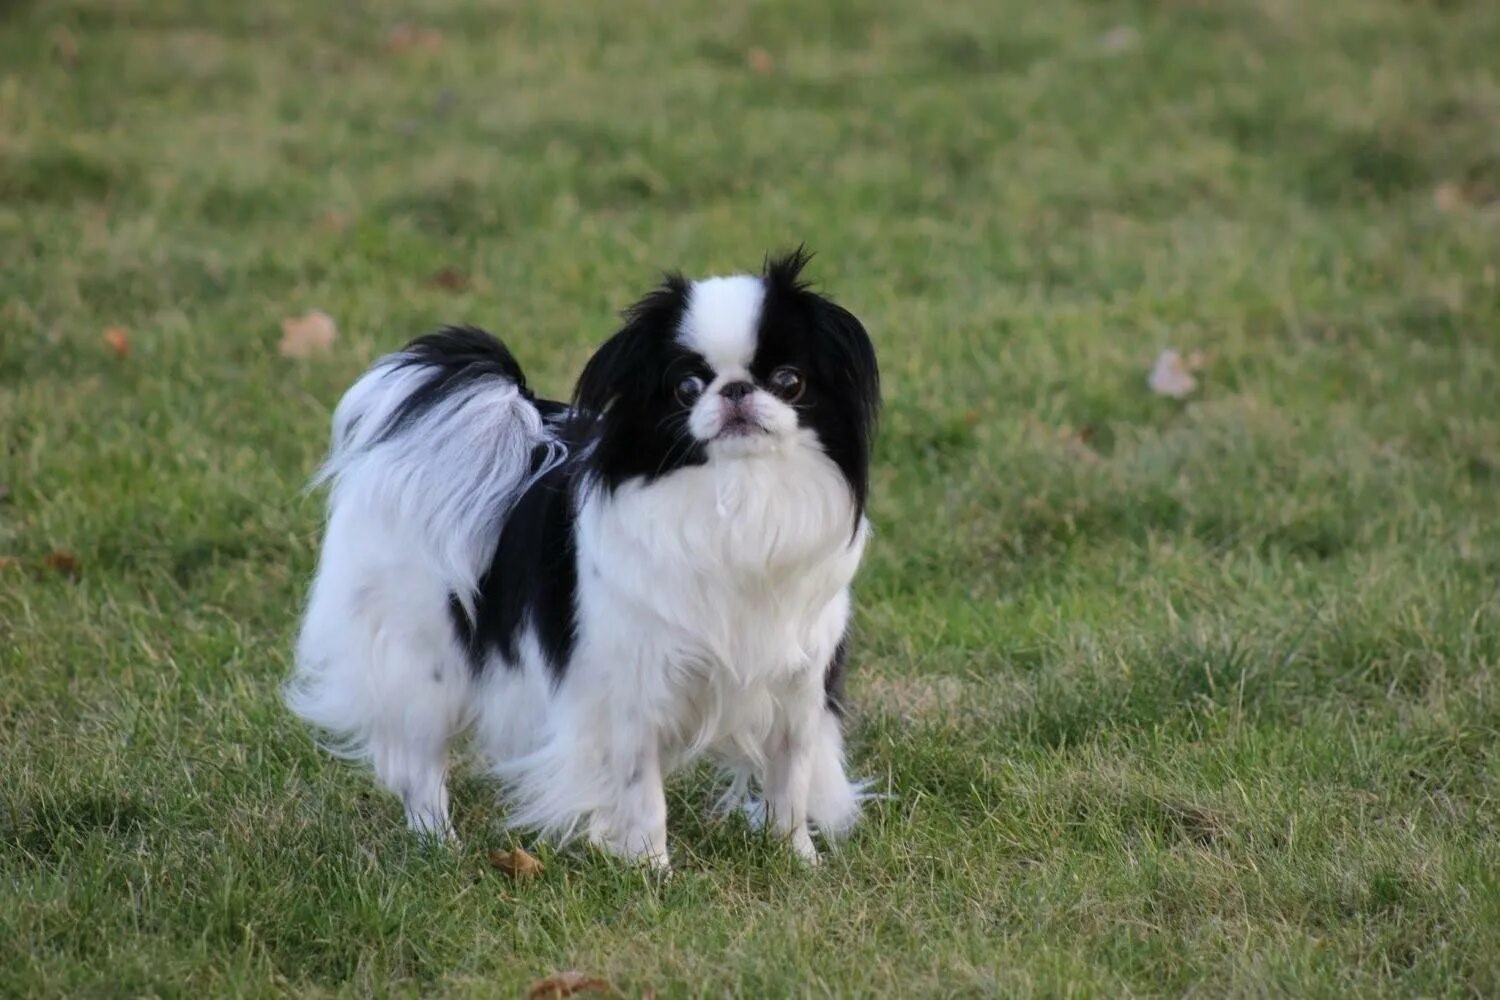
{"x": 604, "y": 591}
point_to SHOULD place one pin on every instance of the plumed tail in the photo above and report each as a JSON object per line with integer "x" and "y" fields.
{"x": 435, "y": 443}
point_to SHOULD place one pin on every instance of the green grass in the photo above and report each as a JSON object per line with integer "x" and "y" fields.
{"x": 1172, "y": 696}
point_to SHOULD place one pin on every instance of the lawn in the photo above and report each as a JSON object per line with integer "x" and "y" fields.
{"x": 1169, "y": 695}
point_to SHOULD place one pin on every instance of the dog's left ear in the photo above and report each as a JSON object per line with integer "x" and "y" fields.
{"x": 610, "y": 373}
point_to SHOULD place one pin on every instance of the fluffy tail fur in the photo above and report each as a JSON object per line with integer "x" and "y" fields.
{"x": 439, "y": 438}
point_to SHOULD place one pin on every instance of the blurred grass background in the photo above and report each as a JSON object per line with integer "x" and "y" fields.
{"x": 1173, "y": 695}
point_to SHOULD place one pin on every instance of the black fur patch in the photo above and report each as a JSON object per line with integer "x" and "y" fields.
{"x": 833, "y": 678}
{"x": 532, "y": 581}
{"x": 626, "y": 412}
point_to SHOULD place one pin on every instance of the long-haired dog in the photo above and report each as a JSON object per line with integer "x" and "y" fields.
{"x": 607, "y": 590}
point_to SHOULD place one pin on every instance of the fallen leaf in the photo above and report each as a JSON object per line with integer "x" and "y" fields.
{"x": 306, "y": 335}
{"x": 117, "y": 340}
{"x": 1196, "y": 361}
{"x": 408, "y": 37}
{"x": 760, "y": 61}
{"x": 66, "y": 46}
{"x": 565, "y": 984}
{"x": 62, "y": 561}
{"x": 1076, "y": 443}
{"x": 8, "y": 561}
{"x": 450, "y": 278}
{"x": 333, "y": 221}
{"x": 516, "y": 863}
{"x": 1448, "y": 197}
{"x": 1119, "y": 39}
{"x": 1170, "y": 376}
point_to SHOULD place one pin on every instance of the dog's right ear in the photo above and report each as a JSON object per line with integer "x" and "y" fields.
{"x": 628, "y": 365}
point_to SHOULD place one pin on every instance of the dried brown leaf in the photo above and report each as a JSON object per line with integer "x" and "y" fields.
{"x": 760, "y": 61}
{"x": 62, "y": 561}
{"x": 6, "y": 562}
{"x": 516, "y": 863}
{"x": 1448, "y": 197}
{"x": 450, "y": 279}
{"x": 333, "y": 221}
{"x": 311, "y": 333}
{"x": 1076, "y": 443}
{"x": 117, "y": 340}
{"x": 1170, "y": 376}
{"x": 408, "y": 37}
{"x": 566, "y": 984}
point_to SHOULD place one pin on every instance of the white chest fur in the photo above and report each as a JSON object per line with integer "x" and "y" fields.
{"x": 710, "y": 603}
{"x": 715, "y": 587}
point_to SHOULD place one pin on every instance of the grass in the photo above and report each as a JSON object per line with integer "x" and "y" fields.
{"x": 1172, "y": 696}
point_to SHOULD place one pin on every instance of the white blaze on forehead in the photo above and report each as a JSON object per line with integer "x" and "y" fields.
{"x": 721, "y": 318}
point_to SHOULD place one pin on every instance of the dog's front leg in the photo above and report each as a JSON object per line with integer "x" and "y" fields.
{"x": 633, "y": 822}
{"x": 789, "y": 768}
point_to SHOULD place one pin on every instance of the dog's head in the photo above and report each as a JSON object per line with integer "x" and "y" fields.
{"x": 731, "y": 369}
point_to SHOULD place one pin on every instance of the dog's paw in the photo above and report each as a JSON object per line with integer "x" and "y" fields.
{"x": 635, "y": 850}
{"x": 802, "y": 846}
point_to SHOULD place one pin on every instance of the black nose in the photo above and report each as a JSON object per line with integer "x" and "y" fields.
{"x": 736, "y": 390}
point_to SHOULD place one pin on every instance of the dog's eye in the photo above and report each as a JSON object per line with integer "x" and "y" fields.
{"x": 787, "y": 382}
{"x": 689, "y": 389}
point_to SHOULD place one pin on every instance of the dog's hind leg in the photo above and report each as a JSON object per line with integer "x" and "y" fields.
{"x": 380, "y": 669}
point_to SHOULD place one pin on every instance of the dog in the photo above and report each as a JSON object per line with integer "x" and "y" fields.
{"x": 604, "y": 591}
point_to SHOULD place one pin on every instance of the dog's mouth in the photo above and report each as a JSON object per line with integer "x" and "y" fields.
{"x": 740, "y": 426}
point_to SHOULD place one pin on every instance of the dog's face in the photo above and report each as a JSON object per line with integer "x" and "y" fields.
{"x": 727, "y": 369}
